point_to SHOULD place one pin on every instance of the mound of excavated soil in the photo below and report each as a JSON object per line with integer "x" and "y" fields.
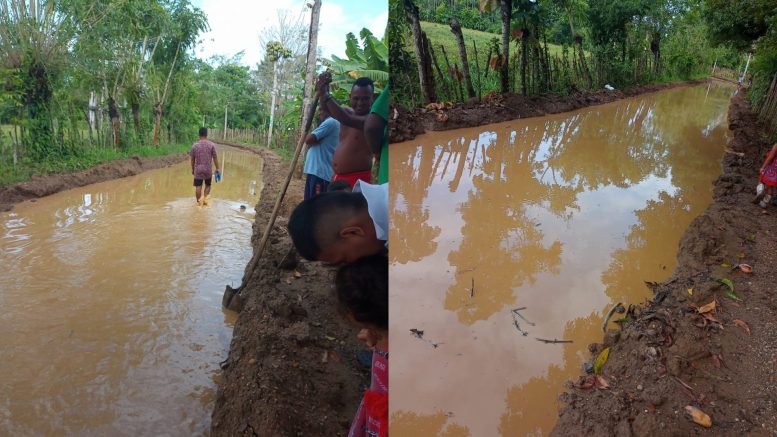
{"x": 670, "y": 356}
{"x": 292, "y": 366}
{"x": 46, "y": 185}
{"x": 406, "y": 125}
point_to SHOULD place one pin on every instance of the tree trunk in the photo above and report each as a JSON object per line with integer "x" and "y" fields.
{"x": 524, "y": 37}
{"x": 157, "y": 122}
{"x": 310, "y": 75}
{"x": 655, "y": 47}
{"x": 507, "y": 12}
{"x": 113, "y": 114}
{"x": 136, "y": 118}
{"x": 272, "y": 104}
{"x": 423, "y": 63}
{"x": 456, "y": 30}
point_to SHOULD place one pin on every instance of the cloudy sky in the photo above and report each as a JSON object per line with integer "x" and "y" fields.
{"x": 235, "y": 25}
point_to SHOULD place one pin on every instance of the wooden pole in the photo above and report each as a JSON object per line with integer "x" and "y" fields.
{"x": 278, "y": 200}
{"x": 310, "y": 74}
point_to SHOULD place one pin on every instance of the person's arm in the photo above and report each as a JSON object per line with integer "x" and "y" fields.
{"x": 335, "y": 110}
{"x": 311, "y": 140}
{"x": 216, "y": 159}
{"x": 373, "y": 129}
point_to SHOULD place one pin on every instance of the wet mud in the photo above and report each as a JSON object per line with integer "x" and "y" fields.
{"x": 495, "y": 108}
{"x": 46, "y": 185}
{"x": 672, "y": 352}
{"x": 292, "y": 367}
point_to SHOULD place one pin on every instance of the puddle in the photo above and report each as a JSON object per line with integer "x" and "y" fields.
{"x": 564, "y": 215}
{"x": 111, "y": 302}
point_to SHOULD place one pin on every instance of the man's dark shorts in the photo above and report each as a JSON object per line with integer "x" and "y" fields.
{"x": 315, "y": 185}
{"x": 198, "y": 182}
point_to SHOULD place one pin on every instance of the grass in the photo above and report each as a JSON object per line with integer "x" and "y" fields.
{"x": 440, "y": 35}
{"x": 82, "y": 159}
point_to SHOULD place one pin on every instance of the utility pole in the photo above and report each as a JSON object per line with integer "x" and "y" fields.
{"x": 225, "y": 120}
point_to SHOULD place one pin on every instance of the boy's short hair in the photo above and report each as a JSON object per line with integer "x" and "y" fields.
{"x": 203, "y": 131}
{"x": 316, "y": 221}
{"x": 362, "y": 290}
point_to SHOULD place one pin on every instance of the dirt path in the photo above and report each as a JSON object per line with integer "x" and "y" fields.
{"x": 46, "y": 185}
{"x": 495, "y": 108}
{"x": 669, "y": 356}
{"x": 291, "y": 368}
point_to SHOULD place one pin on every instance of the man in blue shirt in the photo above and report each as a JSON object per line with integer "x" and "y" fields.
{"x": 322, "y": 143}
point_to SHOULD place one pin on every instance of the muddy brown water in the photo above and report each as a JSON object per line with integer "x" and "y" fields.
{"x": 562, "y": 216}
{"x": 111, "y": 320}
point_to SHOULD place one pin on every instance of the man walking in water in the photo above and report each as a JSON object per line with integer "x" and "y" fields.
{"x": 203, "y": 156}
{"x": 353, "y": 157}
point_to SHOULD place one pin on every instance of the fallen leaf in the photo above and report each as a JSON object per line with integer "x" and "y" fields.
{"x": 600, "y": 360}
{"x": 745, "y": 268}
{"x": 707, "y": 308}
{"x": 725, "y": 265}
{"x": 587, "y": 383}
{"x": 699, "y": 416}
{"x": 730, "y": 293}
{"x": 602, "y": 383}
{"x": 741, "y": 255}
{"x": 742, "y": 325}
{"x": 690, "y": 291}
{"x": 297, "y": 274}
{"x": 330, "y": 338}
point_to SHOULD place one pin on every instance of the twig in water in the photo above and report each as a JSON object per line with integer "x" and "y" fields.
{"x": 517, "y": 313}
{"x": 518, "y": 327}
{"x": 554, "y": 341}
{"x": 472, "y": 290}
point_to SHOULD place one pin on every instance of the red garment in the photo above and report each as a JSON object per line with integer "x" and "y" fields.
{"x": 203, "y": 152}
{"x": 351, "y": 178}
{"x": 372, "y": 416}
{"x": 769, "y": 175}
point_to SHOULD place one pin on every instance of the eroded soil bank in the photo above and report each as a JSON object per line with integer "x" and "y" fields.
{"x": 667, "y": 355}
{"x": 495, "y": 108}
{"x": 292, "y": 367}
{"x": 46, "y": 185}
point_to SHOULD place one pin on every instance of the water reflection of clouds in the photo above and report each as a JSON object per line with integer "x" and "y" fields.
{"x": 600, "y": 189}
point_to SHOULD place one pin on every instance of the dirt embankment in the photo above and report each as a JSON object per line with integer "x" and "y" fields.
{"x": 669, "y": 355}
{"x": 292, "y": 367}
{"x": 495, "y": 108}
{"x": 46, "y": 185}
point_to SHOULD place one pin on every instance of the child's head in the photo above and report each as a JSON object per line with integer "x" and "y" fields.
{"x": 335, "y": 227}
{"x": 362, "y": 291}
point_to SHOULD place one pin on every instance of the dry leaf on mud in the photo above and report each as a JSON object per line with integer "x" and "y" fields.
{"x": 600, "y": 360}
{"x": 745, "y": 268}
{"x": 601, "y": 383}
{"x": 707, "y": 308}
{"x": 690, "y": 291}
{"x": 699, "y": 416}
{"x": 742, "y": 325}
{"x": 587, "y": 383}
{"x": 297, "y": 274}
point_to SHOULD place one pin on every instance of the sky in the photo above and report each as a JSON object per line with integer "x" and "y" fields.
{"x": 235, "y": 25}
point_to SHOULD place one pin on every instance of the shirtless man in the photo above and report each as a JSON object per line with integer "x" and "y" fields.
{"x": 353, "y": 157}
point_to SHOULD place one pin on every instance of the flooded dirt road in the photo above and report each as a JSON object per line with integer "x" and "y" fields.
{"x": 111, "y": 314}
{"x": 557, "y": 218}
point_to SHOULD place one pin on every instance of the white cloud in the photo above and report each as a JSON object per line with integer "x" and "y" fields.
{"x": 237, "y": 24}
